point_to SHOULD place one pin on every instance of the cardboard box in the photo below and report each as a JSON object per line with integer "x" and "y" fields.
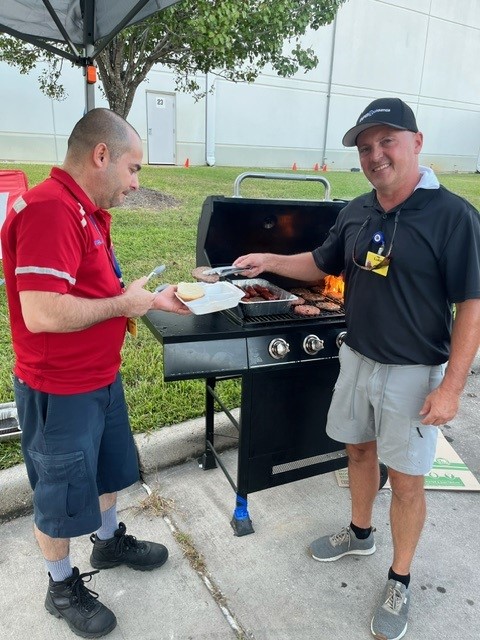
{"x": 448, "y": 473}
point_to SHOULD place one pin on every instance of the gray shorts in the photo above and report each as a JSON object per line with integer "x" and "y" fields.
{"x": 381, "y": 402}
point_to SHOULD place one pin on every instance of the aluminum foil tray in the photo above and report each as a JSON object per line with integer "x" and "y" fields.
{"x": 266, "y": 307}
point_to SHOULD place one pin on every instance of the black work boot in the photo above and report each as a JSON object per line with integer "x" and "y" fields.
{"x": 79, "y": 607}
{"x": 124, "y": 549}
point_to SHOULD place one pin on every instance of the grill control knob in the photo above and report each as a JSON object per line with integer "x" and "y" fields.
{"x": 312, "y": 344}
{"x": 340, "y": 338}
{"x": 278, "y": 348}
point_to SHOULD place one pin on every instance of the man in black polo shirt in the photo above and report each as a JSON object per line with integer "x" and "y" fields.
{"x": 410, "y": 253}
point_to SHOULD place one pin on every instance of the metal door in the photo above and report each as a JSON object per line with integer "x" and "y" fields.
{"x": 161, "y": 128}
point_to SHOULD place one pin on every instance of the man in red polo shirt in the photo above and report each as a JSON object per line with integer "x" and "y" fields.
{"x": 69, "y": 311}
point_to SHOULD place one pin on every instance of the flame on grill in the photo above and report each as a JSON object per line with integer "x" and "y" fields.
{"x": 334, "y": 286}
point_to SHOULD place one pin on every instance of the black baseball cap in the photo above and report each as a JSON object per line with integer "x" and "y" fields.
{"x": 388, "y": 111}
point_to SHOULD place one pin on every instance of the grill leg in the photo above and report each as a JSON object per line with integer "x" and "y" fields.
{"x": 207, "y": 459}
{"x": 241, "y": 523}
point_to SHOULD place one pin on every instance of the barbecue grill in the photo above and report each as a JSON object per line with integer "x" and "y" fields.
{"x": 288, "y": 364}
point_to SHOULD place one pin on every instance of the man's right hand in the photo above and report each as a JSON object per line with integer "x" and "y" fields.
{"x": 252, "y": 264}
{"x": 300, "y": 266}
{"x": 137, "y": 300}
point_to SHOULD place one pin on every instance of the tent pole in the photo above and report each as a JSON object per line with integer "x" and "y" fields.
{"x": 89, "y": 43}
{"x": 89, "y": 87}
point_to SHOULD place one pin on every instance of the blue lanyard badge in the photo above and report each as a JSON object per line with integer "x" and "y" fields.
{"x": 110, "y": 252}
{"x": 379, "y": 239}
{"x": 116, "y": 266}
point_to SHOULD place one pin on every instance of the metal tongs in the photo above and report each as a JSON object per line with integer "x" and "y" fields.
{"x": 224, "y": 271}
{"x": 156, "y": 272}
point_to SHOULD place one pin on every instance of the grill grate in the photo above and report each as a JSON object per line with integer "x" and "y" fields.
{"x": 236, "y": 316}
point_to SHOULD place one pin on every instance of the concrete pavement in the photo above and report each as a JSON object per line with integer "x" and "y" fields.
{"x": 262, "y": 586}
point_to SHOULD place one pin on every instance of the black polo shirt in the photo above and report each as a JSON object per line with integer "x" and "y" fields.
{"x": 405, "y": 317}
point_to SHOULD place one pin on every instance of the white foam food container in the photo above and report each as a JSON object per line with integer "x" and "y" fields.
{"x": 218, "y": 296}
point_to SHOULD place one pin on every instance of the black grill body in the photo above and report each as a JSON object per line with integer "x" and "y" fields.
{"x": 284, "y": 400}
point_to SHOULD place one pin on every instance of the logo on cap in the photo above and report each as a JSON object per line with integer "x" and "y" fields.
{"x": 372, "y": 113}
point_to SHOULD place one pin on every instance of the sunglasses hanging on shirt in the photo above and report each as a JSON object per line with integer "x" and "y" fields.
{"x": 380, "y": 261}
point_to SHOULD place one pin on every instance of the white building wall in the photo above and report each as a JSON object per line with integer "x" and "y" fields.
{"x": 425, "y": 52}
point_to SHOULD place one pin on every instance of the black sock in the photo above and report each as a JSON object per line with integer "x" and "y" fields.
{"x": 361, "y": 534}
{"x": 398, "y": 578}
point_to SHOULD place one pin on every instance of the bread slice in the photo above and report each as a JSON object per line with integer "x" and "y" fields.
{"x": 189, "y": 291}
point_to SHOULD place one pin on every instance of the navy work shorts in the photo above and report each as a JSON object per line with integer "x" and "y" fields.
{"x": 76, "y": 448}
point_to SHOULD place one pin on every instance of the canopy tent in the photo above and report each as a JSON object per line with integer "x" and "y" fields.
{"x": 85, "y": 26}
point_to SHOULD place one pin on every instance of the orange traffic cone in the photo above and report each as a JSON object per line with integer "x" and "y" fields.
{"x": 315, "y": 168}
{"x": 294, "y": 166}
{"x": 187, "y": 163}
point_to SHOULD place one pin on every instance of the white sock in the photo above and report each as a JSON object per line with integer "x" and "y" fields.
{"x": 59, "y": 570}
{"x": 109, "y": 524}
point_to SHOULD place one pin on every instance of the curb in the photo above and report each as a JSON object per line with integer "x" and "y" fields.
{"x": 166, "y": 447}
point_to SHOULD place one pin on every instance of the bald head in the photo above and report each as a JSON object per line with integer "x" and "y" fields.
{"x": 104, "y": 157}
{"x": 97, "y": 126}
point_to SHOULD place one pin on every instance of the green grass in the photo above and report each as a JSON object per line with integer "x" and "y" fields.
{"x": 146, "y": 238}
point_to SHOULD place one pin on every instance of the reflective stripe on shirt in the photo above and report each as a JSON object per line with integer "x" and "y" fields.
{"x": 45, "y": 271}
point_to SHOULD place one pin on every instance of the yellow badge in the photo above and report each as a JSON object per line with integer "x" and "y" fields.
{"x": 372, "y": 260}
{"x": 132, "y": 327}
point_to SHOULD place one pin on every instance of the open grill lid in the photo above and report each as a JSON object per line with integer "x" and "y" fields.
{"x": 230, "y": 227}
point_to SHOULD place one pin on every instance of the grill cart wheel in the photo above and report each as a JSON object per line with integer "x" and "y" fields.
{"x": 383, "y": 474}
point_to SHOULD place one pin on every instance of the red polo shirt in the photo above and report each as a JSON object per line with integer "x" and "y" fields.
{"x": 56, "y": 239}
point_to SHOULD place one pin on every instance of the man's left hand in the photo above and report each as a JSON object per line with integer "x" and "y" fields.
{"x": 440, "y": 406}
{"x": 166, "y": 300}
